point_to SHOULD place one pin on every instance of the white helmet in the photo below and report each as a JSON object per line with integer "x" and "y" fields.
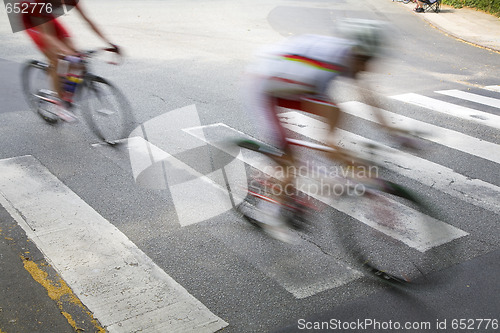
{"x": 367, "y": 35}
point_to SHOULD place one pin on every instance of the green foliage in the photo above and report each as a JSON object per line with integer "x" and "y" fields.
{"x": 489, "y": 6}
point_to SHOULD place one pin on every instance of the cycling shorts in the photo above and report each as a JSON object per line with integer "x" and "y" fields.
{"x": 36, "y": 35}
{"x": 263, "y": 96}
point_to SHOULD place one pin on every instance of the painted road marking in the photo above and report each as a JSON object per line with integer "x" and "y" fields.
{"x": 451, "y": 109}
{"x": 152, "y": 149}
{"x": 489, "y": 101}
{"x": 122, "y": 286}
{"x": 493, "y": 88}
{"x": 156, "y": 169}
{"x": 452, "y": 139}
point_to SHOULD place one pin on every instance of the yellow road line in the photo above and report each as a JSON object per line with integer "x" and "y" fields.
{"x": 59, "y": 292}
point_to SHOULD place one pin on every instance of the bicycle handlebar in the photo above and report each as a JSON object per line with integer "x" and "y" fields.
{"x": 115, "y": 49}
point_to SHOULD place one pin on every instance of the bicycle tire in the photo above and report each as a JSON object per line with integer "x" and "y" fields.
{"x": 406, "y": 1}
{"x": 105, "y": 109}
{"x": 36, "y": 81}
{"x": 379, "y": 254}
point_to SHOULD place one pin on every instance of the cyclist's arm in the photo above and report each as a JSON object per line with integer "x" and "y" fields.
{"x": 91, "y": 23}
{"x": 369, "y": 98}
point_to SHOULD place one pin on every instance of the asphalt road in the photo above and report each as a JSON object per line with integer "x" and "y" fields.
{"x": 183, "y": 66}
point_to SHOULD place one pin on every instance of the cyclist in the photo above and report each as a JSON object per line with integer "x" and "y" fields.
{"x": 296, "y": 74}
{"x": 52, "y": 38}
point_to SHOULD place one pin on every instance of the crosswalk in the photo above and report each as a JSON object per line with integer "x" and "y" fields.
{"x": 116, "y": 270}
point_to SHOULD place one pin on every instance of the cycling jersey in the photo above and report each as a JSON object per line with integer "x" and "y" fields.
{"x": 307, "y": 62}
{"x": 297, "y": 70}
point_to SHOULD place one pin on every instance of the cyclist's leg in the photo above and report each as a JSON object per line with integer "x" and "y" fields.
{"x": 323, "y": 107}
{"x": 262, "y": 106}
{"x": 262, "y": 109}
{"x": 64, "y": 46}
{"x": 54, "y": 76}
{"x": 287, "y": 162}
{"x": 41, "y": 41}
{"x": 56, "y": 43}
{"x": 65, "y": 38}
{"x": 47, "y": 37}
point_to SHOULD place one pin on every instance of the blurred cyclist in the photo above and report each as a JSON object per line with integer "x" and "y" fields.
{"x": 51, "y": 37}
{"x": 296, "y": 74}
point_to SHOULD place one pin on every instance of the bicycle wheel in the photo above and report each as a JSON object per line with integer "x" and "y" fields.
{"x": 36, "y": 83}
{"x": 105, "y": 109}
{"x": 397, "y": 239}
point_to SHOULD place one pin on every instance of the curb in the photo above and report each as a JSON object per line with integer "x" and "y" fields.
{"x": 450, "y": 33}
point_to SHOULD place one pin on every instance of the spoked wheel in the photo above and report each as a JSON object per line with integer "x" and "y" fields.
{"x": 398, "y": 241}
{"x": 36, "y": 85}
{"x": 105, "y": 109}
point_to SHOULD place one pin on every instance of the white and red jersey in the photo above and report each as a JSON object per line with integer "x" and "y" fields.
{"x": 311, "y": 61}
{"x": 288, "y": 73}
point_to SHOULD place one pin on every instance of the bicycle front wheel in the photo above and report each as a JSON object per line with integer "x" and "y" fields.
{"x": 105, "y": 109}
{"x": 399, "y": 240}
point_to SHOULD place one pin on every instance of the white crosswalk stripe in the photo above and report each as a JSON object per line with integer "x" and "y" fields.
{"x": 211, "y": 198}
{"x": 451, "y": 109}
{"x": 125, "y": 290}
{"x": 493, "y": 102}
{"x": 452, "y": 139}
{"x": 155, "y": 167}
{"x": 493, "y": 88}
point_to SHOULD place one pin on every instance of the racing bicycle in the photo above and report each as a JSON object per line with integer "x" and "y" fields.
{"x": 381, "y": 227}
{"x": 103, "y": 106}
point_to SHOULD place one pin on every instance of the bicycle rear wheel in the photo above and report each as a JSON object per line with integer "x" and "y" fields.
{"x": 36, "y": 83}
{"x": 398, "y": 240}
{"x": 105, "y": 109}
